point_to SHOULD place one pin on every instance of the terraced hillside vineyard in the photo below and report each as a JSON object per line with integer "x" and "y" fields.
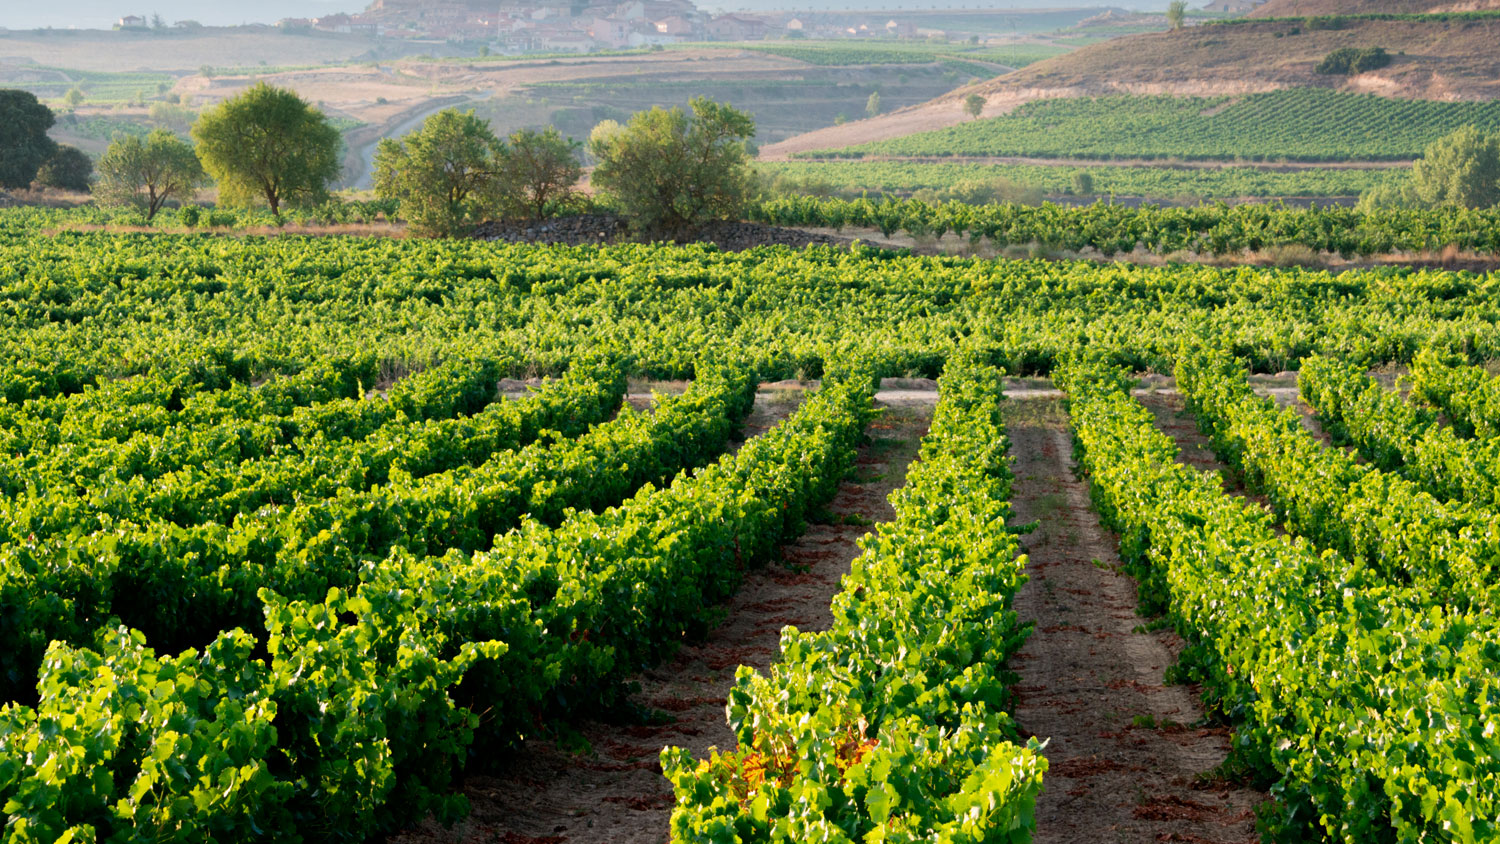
{"x": 311, "y": 539}
{"x": 1296, "y": 124}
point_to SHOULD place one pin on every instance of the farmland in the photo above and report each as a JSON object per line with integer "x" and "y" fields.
{"x": 906, "y": 177}
{"x": 1305, "y": 124}
{"x": 305, "y": 537}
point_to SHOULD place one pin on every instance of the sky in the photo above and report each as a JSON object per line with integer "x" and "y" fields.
{"x": 101, "y": 14}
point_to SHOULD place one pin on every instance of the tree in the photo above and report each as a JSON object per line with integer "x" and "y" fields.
{"x": 268, "y": 144}
{"x": 445, "y": 174}
{"x": 1083, "y": 183}
{"x": 1461, "y": 169}
{"x": 147, "y": 172}
{"x": 24, "y": 145}
{"x": 872, "y": 105}
{"x": 1347, "y": 61}
{"x": 1176, "y": 14}
{"x": 974, "y": 105}
{"x": 675, "y": 172}
{"x": 69, "y": 168}
{"x": 74, "y": 97}
{"x": 540, "y": 170}
{"x": 172, "y": 117}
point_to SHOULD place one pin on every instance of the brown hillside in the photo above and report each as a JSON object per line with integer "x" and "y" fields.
{"x": 1308, "y": 8}
{"x": 1439, "y": 60}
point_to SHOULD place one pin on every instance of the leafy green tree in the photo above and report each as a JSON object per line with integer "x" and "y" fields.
{"x": 1460, "y": 169}
{"x": 147, "y": 172}
{"x": 446, "y": 175}
{"x": 70, "y": 168}
{"x": 74, "y": 97}
{"x": 872, "y": 105}
{"x": 540, "y": 171}
{"x": 974, "y": 105}
{"x": 1176, "y": 14}
{"x": 1083, "y": 183}
{"x": 674, "y": 172}
{"x": 24, "y": 145}
{"x": 268, "y": 144}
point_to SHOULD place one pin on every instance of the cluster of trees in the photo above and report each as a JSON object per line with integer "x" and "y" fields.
{"x": 669, "y": 170}
{"x": 1460, "y": 170}
{"x": 266, "y": 145}
{"x": 27, "y": 154}
{"x": 454, "y": 173}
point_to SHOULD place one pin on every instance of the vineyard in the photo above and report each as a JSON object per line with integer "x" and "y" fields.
{"x": 1298, "y": 124}
{"x": 906, "y": 177}
{"x": 838, "y": 53}
{"x": 1112, "y": 229}
{"x": 302, "y": 537}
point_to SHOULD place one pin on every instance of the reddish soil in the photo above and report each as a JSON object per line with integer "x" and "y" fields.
{"x": 614, "y": 790}
{"x": 1132, "y": 758}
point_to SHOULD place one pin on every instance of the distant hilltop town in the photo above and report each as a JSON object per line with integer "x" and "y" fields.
{"x": 543, "y": 26}
{"x": 571, "y": 26}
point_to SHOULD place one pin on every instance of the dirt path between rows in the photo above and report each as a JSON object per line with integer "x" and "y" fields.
{"x": 614, "y": 792}
{"x": 1130, "y": 759}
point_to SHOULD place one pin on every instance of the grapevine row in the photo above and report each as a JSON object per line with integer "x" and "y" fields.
{"x": 182, "y": 586}
{"x": 189, "y": 475}
{"x": 369, "y": 701}
{"x": 890, "y": 721}
{"x": 1113, "y": 229}
{"x": 1375, "y": 518}
{"x": 1163, "y": 182}
{"x": 1399, "y": 436}
{"x": 1374, "y": 709}
{"x": 1469, "y": 396}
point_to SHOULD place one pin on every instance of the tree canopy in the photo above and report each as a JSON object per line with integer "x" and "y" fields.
{"x": 268, "y": 145}
{"x": 446, "y": 175}
{"x": 69, "y": 168}
{"x": 1461, "y": 169}
{"x": 540, "y": 172}
{"x": 147, "y": 172}
{"x": 674, "y": 172}
{"x": 24, "y": 145}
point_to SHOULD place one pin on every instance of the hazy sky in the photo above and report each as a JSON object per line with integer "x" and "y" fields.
{"x": 101, "y": 14}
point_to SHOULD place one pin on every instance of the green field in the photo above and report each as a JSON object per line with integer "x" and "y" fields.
{"x": 844, "y": 54}
{"x": 285, "y": 555}
{"x": 99, "y": 88}
{"x": 906, "y": 177}
{"x": 1302, "y": 124}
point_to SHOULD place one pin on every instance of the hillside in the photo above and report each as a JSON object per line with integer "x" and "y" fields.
{"x": 1310, "y": 8}
{"x": 1438, "y": 59}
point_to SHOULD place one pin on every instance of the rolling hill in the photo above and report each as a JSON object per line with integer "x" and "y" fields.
{"x": 1441, "y": 58}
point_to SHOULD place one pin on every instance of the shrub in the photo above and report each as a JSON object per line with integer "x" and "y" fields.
{"x": 1347, "y": 61}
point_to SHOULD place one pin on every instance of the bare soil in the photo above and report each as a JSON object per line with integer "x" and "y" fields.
{"x": 614, "y": 791}
{"x": 1132, "y": 759}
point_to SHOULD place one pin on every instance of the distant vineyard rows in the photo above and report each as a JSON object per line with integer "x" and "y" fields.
{"x": 1300, "y": 124}
{"x": 902, "y": 177}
